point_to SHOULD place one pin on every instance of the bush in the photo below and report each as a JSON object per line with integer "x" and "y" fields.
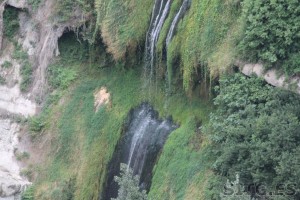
{"x": 255, "y": 131}
{"x": 10, "y": 22}
{"x": 272, "y": 30}
{"x": 36, "y": 125}
{"x": 26, "y": 72}
{"x": 22, "y": 156}
{"x": 26, "y": 68}
{"x": 61, "y": 77}
{"x": 2, "y": 80}
{"x": 34, "y": 3}
{"x": 6, "y": 64}
{"x": 28, "y": 194}
{"x": 129, "y": 185}
{"x": 292, "y": 65}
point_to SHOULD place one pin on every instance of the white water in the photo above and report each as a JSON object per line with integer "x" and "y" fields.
{"x": 148, "y": 135}
{"x": 176, "y": 19}
{"x": 140, "y": 132}
{"x": 156, "y": 24}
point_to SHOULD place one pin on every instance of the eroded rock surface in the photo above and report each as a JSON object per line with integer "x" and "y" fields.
{"x": 11, "y": 98}
{"x": 11, "y": 183}
{"x": 271, "y": 76}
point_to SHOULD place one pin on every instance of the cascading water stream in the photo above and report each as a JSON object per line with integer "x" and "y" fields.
{"x": 159, "y": 14}
{"x": 139, "y": 147}
{"x": 184, "y": 7}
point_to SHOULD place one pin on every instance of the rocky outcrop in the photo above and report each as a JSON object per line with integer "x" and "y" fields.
{"x": 39, "y": 34}
{"x": 271, "y": 76}
{"x": 11, "y": 98}
{"x": 11, "y": 183}
{"x": 21, "y": 4}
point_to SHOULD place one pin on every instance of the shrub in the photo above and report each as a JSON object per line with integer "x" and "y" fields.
{"x": 129, "y": 185}
{"x": 34, "y": 3}
{"x": 2, "y": 80}
{"x": 26, "y": 68}
{"x": 292, "y": 65}
{"x": 26, "y": 72}
{"x": 22, "y": 156}
{"x": 255, "y": 131}
{"x": 61, "y": 77}
{"x": 28, "y": 194}
{"x": 6, "y": 64}
{"x": 36, "y": 125}
{"x": 272, "y": 30}
{"x": 10, "y": 22}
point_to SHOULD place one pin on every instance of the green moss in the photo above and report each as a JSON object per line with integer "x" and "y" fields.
{"x": 166, "y": 27}
{"x": 88, "y": 139}
{"x": 123, "y": 24}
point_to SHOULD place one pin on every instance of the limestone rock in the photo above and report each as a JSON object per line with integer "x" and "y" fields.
{"x": 11, "y": 183}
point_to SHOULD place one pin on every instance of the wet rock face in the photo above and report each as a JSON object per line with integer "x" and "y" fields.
{"x": 143, "y": 139}
{"x": 11, "y": 183}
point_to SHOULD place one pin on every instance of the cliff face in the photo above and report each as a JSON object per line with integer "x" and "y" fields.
{"x": 199, "y": 40}
{"x": 37, "y": 36}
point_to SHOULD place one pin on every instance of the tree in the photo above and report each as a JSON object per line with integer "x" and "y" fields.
{"x": 255, "y": 132}
{"x": 129, "y": 185}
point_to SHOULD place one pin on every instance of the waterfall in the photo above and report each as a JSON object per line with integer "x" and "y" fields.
{"x": 159, "y": 14}
{"x": 184, "y": 7}
{"x": 142, "y": 141}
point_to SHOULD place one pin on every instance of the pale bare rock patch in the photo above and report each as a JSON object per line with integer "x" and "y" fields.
{"x": 11, "y": 183}
{"x": 101, "y": 97}
{"x": 271, "y": 76}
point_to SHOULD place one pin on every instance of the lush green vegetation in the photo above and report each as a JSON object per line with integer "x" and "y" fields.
{"x": 6, "y": 64}
{"x": 255, "y": 132}
{"x": 129, "y": 185}
{"x": 272, "y": 33}
{"x": 26, "y": 68}
{"x": 28, "y": 194}
{"x": 10, "y": 22}
{"x": 83, "y": 140}
{"x": 11, "y": 27}
{"x": 205, "y": 39}
{"x": 34, "y": 3}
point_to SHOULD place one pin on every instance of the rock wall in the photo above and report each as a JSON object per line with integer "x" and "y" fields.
{"x": 271, "y": 76}
{"x": 11, "y": 183}
{"x": 38, "y": 36}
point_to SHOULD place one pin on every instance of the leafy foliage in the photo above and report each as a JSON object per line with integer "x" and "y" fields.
{"x": 34, "y": 3}
{"x": 65, "y": 9}
{"x": 255, "y": 132}
{"x": 11, "y": 22}
{"x": 28, "y": 194}
{"x": 61, "y": 77}
{"x": 36, "y": 124}
{"x": 272, "y": 31}
{"x": 26, "y": 68}
{"x": 129, "y": 185}
{"x": 2, "y": 80}
{"x": 6, "y": 64}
